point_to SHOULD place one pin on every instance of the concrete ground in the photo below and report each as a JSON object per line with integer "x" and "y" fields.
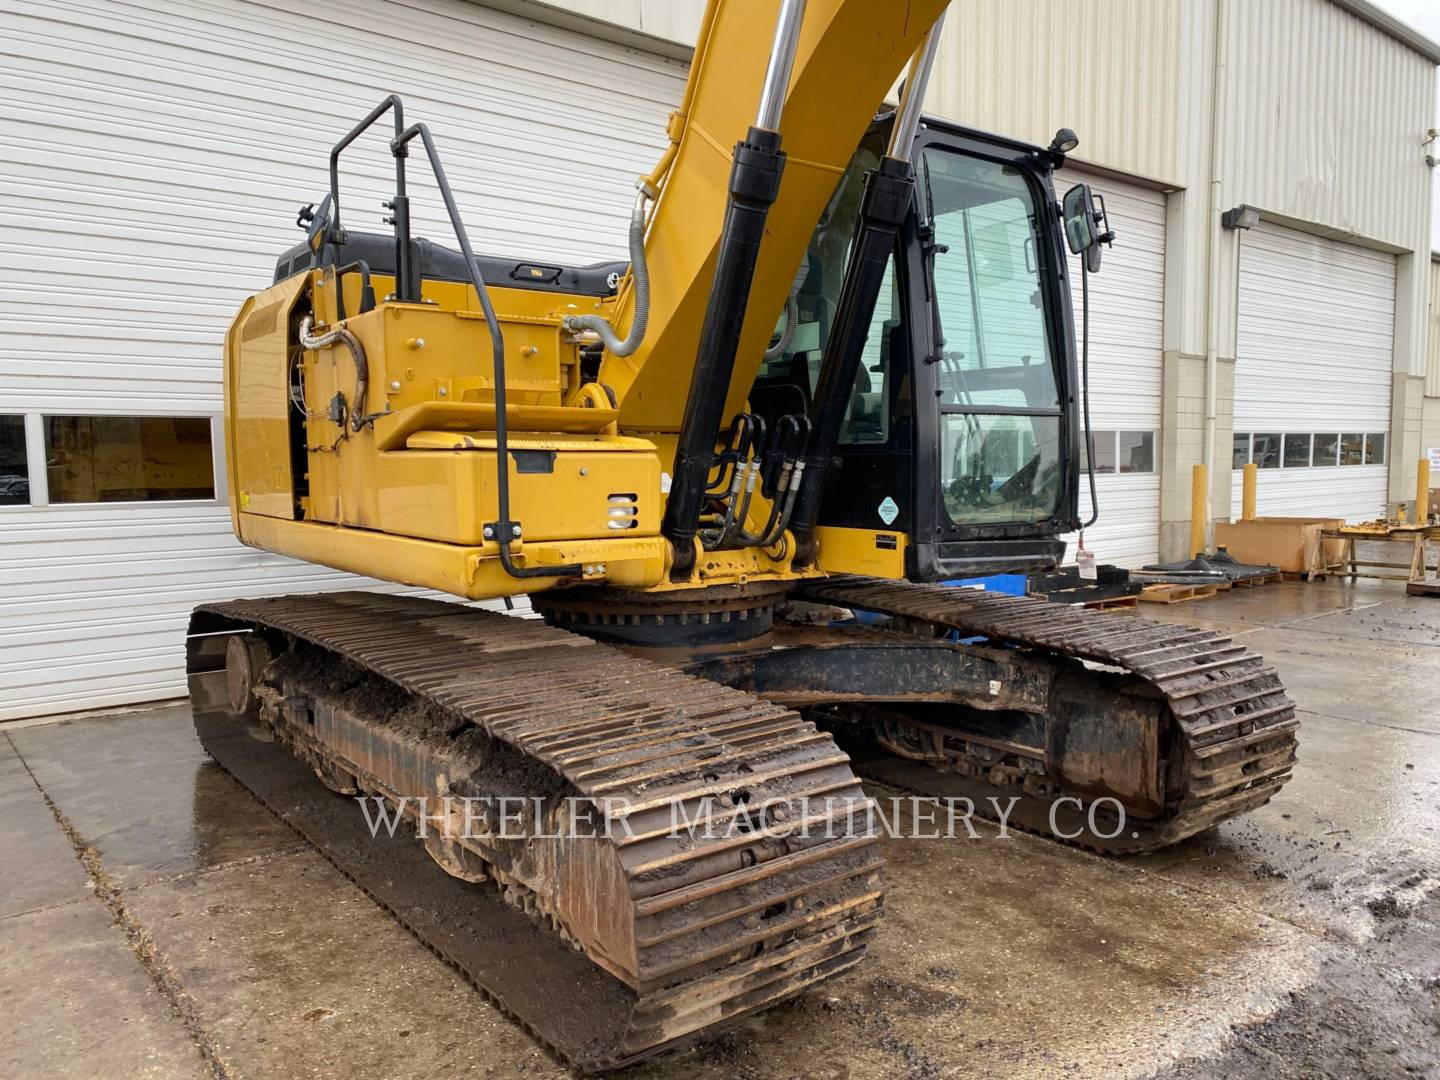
{"x": 155, "y": 921}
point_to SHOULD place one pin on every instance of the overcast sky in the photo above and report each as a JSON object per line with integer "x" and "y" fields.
{"x": 1424, "y": 15}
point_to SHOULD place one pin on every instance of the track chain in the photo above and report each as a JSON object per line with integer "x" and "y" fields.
{"x": 720, "y": 923}
{"x": 1235, "y": 725}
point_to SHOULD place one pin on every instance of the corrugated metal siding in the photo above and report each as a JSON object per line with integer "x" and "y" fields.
{"x": 1354, "y": 492}
{"x": 1315, "y": 334}
{"x": 91, "y": 622}
{"x": 96, "y": 602}
{"x": 157, "y": 154}
{"x": 1325, "y": 120}
{"x": 1432, "y": 369}
{"x": 155, "y": 157}
{"x": 1127, "y": 311}
{"x": 1107, "y": 68}
{"x": 1314, "y": 343}
{"x": 672, "y": 20}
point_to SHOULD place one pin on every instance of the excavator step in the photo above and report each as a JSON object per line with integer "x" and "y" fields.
{"x": 607, "y": 935}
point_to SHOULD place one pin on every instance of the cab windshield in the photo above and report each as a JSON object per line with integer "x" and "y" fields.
{"x": 1000, "y": 426}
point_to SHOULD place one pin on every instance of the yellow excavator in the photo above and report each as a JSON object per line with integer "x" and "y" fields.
{"x": 731, "y": 473}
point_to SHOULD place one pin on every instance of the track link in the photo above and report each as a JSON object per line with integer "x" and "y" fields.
{"x": 1232, "y": 727}
{"x": 673, "y": 931}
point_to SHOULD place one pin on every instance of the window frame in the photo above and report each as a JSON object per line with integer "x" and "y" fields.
{"x": 1384, "y": 437}
{"x": 1352, "y": 435}
{"x": 27, "y": 450}
{"x": 38, "y": 463}
{"x": 1051, "y": 284}
{"x": 1279, "y": 436}
{"x": 1364, "y": 439}
{"x": 1285, "y": 449}
{"x": 1051, "y": 316}
{"x": 1154, "y": 440}
{"x": 1249, "y": 437}
{"x": 891, "y": 389}
{"x": 1100, "y": 436}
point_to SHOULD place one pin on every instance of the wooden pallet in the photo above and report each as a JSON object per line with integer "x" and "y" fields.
{"x": 1252, "y": 582}
{"x": 1177, "y": 594}
{"x": 1110, "y": 603}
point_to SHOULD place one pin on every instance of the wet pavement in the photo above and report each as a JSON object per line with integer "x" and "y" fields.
{"x": 156, "y": 921}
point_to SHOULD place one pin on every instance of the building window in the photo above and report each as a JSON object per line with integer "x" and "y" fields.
{"x": 1352, "y": 449}
{"x": 1300, "y": 450}
{"x": 14, "y": 464}
{"x": 1375, "y": 448}
{"x": 1121, "y": 452}
{"x": 1297, "y": 451}
{"x": 1104, "y": 451}
{"x": 96, "y": 459}
{"x": 1265, "y": 451}
{"x": 1137, "y": 451}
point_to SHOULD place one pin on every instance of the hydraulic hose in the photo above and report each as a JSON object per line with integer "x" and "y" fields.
{"x": 792, "y": 315}
{"x": 342, "y": 336}
{"x": 787, "y": 335}
{"x": 640, "y": 271}
{"x": 1085, "y": 387}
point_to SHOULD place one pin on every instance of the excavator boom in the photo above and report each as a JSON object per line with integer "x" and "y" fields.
{"x": 848, "y": 56}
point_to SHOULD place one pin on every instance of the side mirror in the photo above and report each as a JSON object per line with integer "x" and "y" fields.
{"x": 1086, "y": 228}
{"x": 1079, "y": 209}
{"x": 316, "y": 223}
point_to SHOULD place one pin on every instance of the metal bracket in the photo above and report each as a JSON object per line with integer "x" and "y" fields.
{"x": 501, "y": 530}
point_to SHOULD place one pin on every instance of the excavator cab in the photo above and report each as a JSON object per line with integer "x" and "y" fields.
{"x": 958, "y": 452}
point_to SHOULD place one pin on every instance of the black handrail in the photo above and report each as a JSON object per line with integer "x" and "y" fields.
{"x": 503, "y": 531}
{"x": 405, "y": 289}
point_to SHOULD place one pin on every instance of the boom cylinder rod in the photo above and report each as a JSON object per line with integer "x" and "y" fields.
{"x": 889, "y": 189}
{"x": 758, "y": 163}
{"x": 782, "y": 62}
{"x": 912, "y": 95}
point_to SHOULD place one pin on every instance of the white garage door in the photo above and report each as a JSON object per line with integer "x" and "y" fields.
{"x": 1314, "y": 354}
{"x": 1127, "y": 308}
{"x": 155, "y": 154}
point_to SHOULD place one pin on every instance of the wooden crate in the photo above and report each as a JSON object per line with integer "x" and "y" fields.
{"x": 1284, "y": 542}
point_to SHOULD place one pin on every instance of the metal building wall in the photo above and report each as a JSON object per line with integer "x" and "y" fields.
{"x": 1430, "y": 404}
{"x": 1317, "y": 119}
{"x": 1326, "y": 117}
{"x": 1432, "y": 373}
{"x": 1106, "y": 68}
{"x": 669, "y": 20}
{"x": 664, "y": 27}
{"x": 152, "y": 174}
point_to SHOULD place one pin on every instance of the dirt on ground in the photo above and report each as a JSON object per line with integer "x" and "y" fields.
{"x": 1372, "y": 1013}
